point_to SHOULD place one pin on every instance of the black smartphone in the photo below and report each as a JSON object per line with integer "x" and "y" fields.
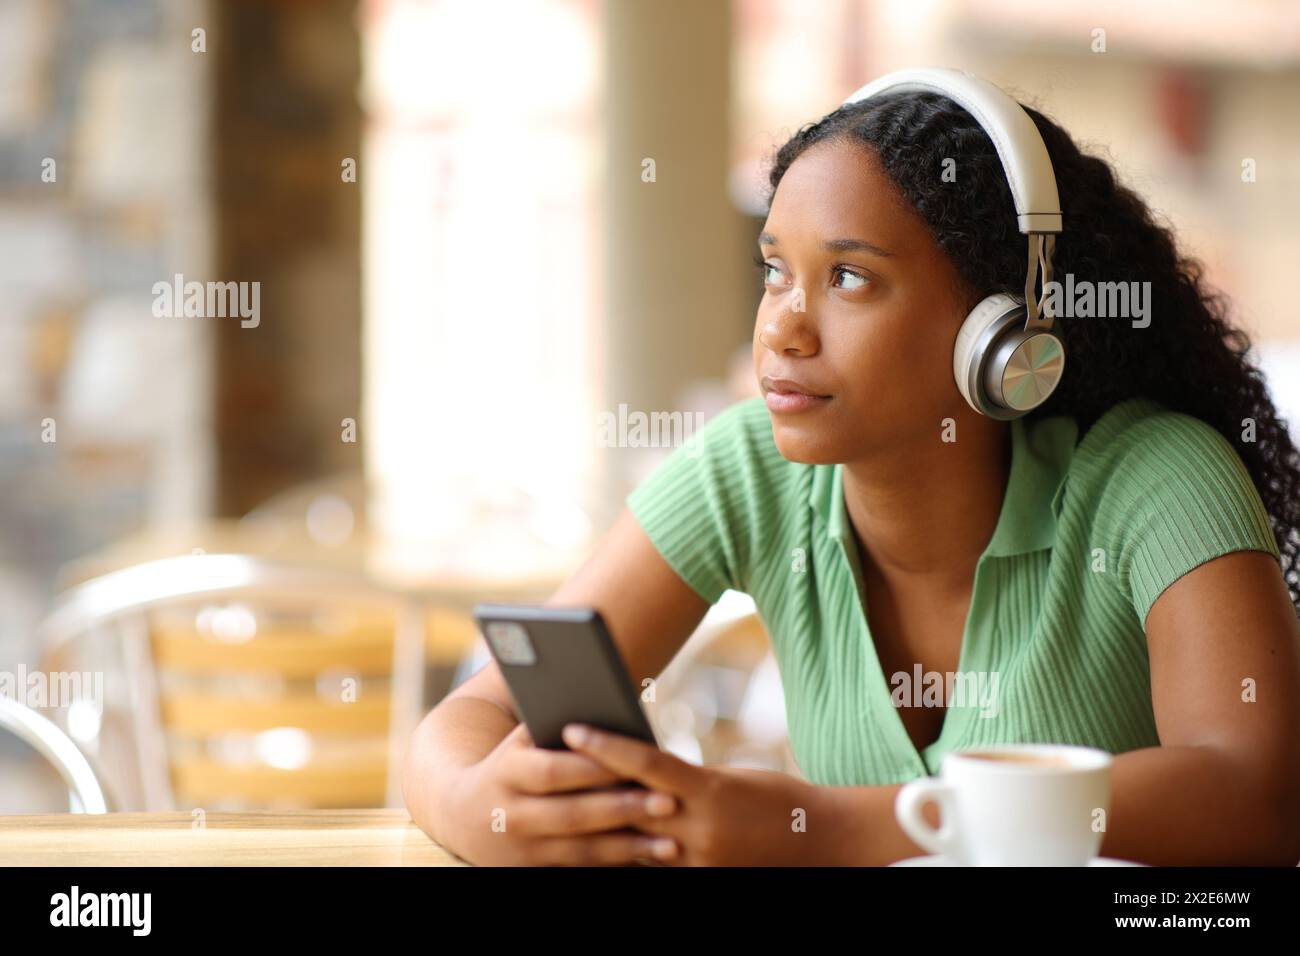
{"x": 562, "y": 667}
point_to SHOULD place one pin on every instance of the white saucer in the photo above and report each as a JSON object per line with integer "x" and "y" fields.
{"x": 944, "y": 861}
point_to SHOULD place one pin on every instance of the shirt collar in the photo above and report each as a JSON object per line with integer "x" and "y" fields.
{"x": 1041, "y": 452}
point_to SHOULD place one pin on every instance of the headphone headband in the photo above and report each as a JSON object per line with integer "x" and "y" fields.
{"x": 1024, "y": 158}
{"x": 1020, "y": 147}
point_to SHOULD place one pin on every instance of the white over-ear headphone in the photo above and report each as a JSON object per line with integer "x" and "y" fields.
{"x": 1003, "y": 367}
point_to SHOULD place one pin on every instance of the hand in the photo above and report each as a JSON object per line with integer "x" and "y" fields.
{"x": 727, "y": 816}
{"x": 527, "y": 805}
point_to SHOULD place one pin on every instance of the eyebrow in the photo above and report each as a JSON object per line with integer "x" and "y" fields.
{"x": 834, "y": 245}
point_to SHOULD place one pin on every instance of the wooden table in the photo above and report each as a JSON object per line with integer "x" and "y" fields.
{"x": 255, "y": 838}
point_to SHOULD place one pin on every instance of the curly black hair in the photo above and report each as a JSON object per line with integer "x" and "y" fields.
{"x": 1190, "y": 358}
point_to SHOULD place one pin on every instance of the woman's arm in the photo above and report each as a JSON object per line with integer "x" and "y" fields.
{"x": 1224, "y": 786}
{"x": 650, "y": 612}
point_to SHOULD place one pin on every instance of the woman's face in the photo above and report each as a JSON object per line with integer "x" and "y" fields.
{"x": 860, "y": 308}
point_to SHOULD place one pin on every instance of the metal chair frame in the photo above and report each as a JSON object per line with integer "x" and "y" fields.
{"x": 124, "y": 598}
{"x": 45, "y": 737}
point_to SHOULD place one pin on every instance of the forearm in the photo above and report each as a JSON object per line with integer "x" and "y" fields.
{"x": 861, "y": 828}
{"x": 456, "y": 734}
{"x": 1170, "y": 806}
{"x": 1197, "y": 806}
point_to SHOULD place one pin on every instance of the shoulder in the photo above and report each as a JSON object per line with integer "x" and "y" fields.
{"x": 737, "y": 443}
{"x": 712, "y": 502}
{"x": 1140, "y": 432}
{"x": 732, "y": 455}
{"x": 1167, "y": 492}
{"x": 746, "y": 421}
{"x": 1140, "y": 450}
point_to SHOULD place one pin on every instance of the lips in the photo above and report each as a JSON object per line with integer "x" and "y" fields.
{"x": 785, "y": 395}
{"x": 788, "y": 386}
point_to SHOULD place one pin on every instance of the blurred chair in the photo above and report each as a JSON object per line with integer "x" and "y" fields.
{"x": 84, "y": 792}
{"x": 327, "y": 514}
{"x": 254, "y": 683}
{"x": 719, "y": 701}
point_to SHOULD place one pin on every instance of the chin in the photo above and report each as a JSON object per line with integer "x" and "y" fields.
{"x": 801, "y": 445}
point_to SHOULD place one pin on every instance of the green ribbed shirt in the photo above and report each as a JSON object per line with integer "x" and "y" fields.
{"x": 1090, "y": 533}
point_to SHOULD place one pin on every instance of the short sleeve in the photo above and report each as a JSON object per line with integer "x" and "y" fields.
{"x": 698, "y": 505}
{"x": 1179, "y": 496}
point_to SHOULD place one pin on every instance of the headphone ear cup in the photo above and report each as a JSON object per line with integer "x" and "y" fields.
{"x": 1024, "y": 370}
{"x": 974, "y": 343}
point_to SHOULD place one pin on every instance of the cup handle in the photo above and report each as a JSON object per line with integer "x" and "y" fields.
{"x": 907, "y": 808}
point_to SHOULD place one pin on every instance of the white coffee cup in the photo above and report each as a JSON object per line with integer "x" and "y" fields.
{"x": 1013, "y": 805}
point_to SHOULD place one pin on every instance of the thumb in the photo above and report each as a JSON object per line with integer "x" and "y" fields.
{"x": 519, "y": 736}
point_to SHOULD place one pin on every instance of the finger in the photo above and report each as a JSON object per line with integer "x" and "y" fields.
{"x": 518, "y": 736}
{"x": 539, "y": 771}
{"x": 591, "y": 812}
{"x": 674, "y": 824}
{"x": 633, "y": 759}
{"x": 605, "y": 849}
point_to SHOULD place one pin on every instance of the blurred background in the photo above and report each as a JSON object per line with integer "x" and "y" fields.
{"x": 476, "y": 227}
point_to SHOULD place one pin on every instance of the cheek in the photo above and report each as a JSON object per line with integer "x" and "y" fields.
{"x": 896, "y": 366}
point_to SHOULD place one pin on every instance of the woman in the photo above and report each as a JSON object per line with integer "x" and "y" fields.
{"x": 1120, "y": 565}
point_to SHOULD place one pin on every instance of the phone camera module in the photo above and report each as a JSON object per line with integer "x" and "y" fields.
{"x": 510, "y": 642}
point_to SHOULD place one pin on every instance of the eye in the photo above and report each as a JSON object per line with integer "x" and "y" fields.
{"x": 853, "y": 280}
{"x": 768, "y": 272}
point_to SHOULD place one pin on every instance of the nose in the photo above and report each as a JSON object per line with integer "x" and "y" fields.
{"x": 789, "y": 331}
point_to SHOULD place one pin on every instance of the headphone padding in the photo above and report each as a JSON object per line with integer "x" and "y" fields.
{"x": 986, "y": 313}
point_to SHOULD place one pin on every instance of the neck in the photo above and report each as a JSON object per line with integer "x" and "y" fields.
{"x": 925, "y": 511}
